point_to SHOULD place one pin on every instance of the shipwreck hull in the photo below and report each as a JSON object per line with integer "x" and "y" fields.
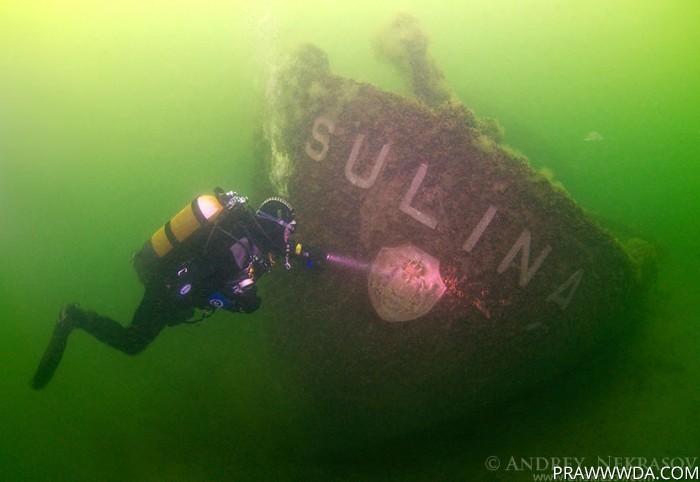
{"x": 459, "y": 274}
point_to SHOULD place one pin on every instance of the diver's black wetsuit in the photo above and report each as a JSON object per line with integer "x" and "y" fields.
{"x": 152, "y": 315}
{"x": 216, "y": 267}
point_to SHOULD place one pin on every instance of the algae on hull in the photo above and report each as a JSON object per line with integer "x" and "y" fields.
{"x": 531, "y": 282}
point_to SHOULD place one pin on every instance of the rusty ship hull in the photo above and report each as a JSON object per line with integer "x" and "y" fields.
{"x": 461, "y": 274}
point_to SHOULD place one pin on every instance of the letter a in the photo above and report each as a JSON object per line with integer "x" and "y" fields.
{"x": 572, "y": 285}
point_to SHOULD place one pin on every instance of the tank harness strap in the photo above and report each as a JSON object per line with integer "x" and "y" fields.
{"x": 170, "y": 235}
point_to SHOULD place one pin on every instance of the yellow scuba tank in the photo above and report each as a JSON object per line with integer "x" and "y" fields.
{"x": 202, "y": 211}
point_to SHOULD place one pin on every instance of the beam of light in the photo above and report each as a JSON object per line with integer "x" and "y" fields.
{"x": 404, "y": 282}
{"x": 348, "y": 262}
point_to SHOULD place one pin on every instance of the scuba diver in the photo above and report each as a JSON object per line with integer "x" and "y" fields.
{"x": 209, "y": 256}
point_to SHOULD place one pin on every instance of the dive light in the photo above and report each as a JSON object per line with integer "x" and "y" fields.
{"x": 312, "y": 256}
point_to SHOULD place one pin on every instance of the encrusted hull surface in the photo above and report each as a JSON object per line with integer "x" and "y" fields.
{"x": 461, "y": 274}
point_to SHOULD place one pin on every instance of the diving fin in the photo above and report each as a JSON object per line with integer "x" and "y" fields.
{"x": 57, "y": 345}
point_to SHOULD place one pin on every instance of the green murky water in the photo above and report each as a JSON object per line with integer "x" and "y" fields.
{"x": 115, "y": 114}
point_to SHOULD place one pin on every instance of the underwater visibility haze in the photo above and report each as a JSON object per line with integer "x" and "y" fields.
{"x": 115, "y": 115}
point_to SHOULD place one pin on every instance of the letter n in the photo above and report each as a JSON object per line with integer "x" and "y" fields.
{"x": 526, "y": 271}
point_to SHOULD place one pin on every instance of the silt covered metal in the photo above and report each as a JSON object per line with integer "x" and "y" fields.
{"x": 467, "y": 274}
